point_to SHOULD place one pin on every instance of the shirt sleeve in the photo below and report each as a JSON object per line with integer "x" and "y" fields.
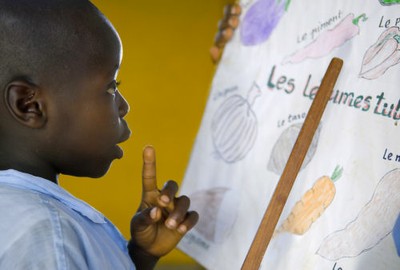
{"x": 40, "y": 248}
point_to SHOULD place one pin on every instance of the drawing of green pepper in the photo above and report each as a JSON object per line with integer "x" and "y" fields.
{"x": 389, "y": 2}
{"x": 382, "y": 55}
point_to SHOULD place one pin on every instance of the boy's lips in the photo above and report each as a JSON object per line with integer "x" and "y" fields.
{"x": 125, "y": 136}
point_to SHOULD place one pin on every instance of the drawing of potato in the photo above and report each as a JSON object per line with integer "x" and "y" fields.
{"x": 374, "y": 222}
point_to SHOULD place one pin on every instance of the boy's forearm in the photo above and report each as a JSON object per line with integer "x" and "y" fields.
{"x": 141, "y": 259}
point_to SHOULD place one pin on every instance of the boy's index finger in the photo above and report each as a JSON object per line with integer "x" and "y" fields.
{"x": 149, "y": 169}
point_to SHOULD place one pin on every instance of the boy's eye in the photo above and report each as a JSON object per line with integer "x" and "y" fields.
{"x": 112, "y": 90}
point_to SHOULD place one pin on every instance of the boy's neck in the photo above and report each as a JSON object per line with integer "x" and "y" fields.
{"x": 33, "y": 169}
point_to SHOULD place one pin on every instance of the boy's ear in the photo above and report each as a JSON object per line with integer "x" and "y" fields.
{"x": 26, "y": 104}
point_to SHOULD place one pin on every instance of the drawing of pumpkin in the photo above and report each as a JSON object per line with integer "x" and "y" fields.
{"x": 234, "y": 126}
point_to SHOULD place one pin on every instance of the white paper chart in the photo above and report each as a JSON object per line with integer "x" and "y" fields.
{"x": 343, "y": 211}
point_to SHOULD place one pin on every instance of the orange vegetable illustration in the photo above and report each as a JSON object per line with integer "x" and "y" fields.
{"x": 374, "y": 222}
{"x": 312, "y": 205}
{"x": 382, "y": 55}
{"x": 328, "y": 40}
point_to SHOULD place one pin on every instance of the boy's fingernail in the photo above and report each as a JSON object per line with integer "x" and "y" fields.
{"x": 171, "y": 224}
{"x": 164, "y": 199}
{"x": 153, "y": 213}
{"x": 182, "y": 229}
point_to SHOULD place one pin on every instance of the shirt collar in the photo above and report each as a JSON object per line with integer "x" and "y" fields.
{"x": 29, "y": 182}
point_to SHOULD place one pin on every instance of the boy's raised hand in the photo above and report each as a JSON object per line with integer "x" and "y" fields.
{"x": 162, "y": 219}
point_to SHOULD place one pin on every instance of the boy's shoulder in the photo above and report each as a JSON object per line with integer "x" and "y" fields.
{"x": 37, "y": 221}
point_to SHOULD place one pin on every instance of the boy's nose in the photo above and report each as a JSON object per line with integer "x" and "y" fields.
{"x": 123, "y": 105}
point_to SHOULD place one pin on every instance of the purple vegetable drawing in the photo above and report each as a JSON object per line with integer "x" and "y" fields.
{"x": 260, "y": 20}
{"x": 396, "y": 235}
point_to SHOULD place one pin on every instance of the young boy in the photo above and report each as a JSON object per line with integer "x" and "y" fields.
{"x": 61, "y": 113}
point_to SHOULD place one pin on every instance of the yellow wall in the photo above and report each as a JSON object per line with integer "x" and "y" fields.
{"x": 166, "y": 74}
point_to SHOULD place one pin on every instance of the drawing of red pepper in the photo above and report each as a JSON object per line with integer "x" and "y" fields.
{"x": 382, "y": 55}
{"x": 329, "y": 40}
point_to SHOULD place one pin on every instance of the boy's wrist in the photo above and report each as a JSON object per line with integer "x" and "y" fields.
{"x": 142, "y": 259}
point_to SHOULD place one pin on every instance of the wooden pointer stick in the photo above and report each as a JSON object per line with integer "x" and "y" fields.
{"x": 292, "y": 168}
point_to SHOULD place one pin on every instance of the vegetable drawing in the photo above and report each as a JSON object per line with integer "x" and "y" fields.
{"x": 329, "y": 40}
{"x": 382, "y": 55}
{"x": 396, "y": 235}
{"x": 312, "y": 205}
{"x": 283, "y": 147}
{"x": 218, "y": 212}
{"x": 234, "y": 126}
{"x": 260, "y": 20}
{"x": 374, "y": 222}
{"x": 389, "y": 2}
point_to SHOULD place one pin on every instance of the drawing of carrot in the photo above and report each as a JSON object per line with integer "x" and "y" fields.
{"x": 312, "y": 205}
{"x": 373, "y": 223}
{"x": 381, "y": 55}
{"x": 260, "y": 20}
{"x": 329, "y": 40}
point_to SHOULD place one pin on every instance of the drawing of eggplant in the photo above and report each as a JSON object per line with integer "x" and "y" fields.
{"x": 260, "y": 20}
{"x": 373, "y": 223}
{"x": 282, "y": 148}
{"x": 234, "y": 126}
{"x": 329, "y": 40}
{"x": 396, "y": 235}
{"x": 382, "y": 55}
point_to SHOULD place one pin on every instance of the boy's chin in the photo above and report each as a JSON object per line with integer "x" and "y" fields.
{"x": 95, "y": 172}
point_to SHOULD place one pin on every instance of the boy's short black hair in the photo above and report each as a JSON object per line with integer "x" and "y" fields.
{"x": 44, "y": 39}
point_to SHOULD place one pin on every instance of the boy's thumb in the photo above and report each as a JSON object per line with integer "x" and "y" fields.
{"x": 146, "y": 217}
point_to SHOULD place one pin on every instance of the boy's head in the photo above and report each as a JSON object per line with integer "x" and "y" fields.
{"x": 58, "y": 68}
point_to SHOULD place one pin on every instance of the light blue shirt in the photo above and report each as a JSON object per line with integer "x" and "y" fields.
{"x": 44, "y": 227}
